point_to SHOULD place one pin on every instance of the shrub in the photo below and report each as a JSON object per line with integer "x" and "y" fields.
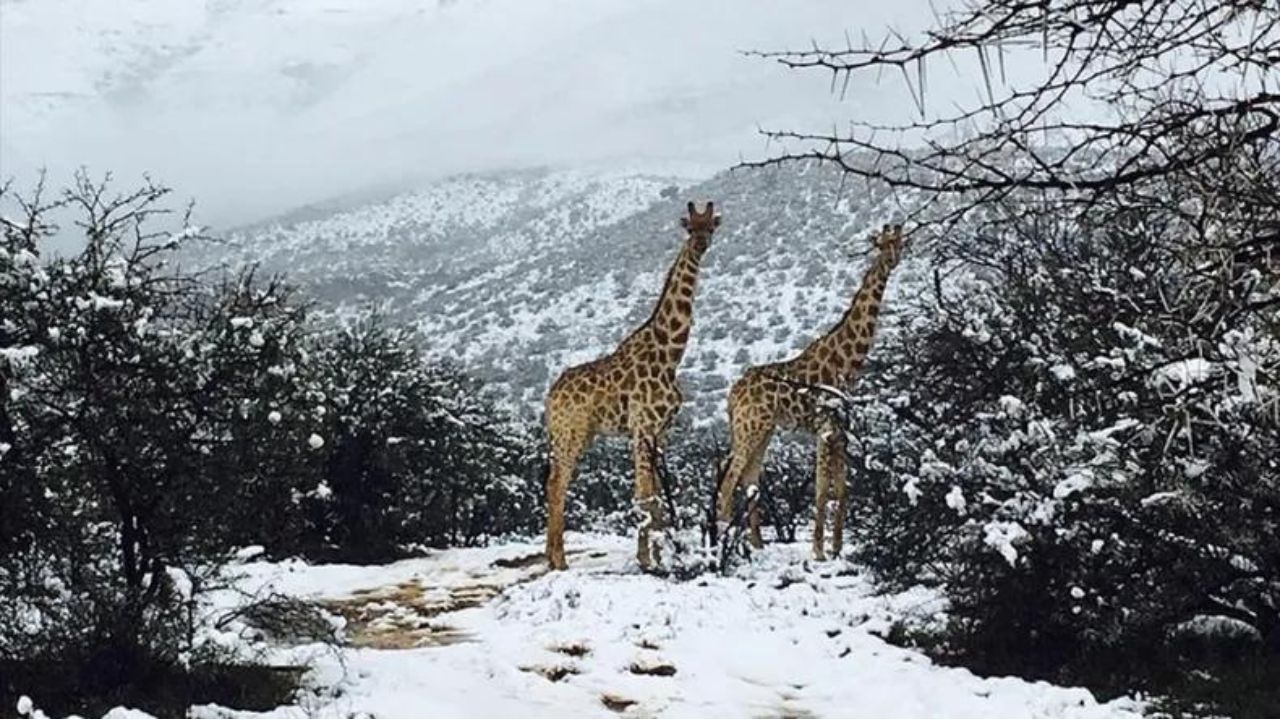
{"x": 1079, "y": 436}
{"x": 124, "y": 384}
{"x": 411, "y": 452}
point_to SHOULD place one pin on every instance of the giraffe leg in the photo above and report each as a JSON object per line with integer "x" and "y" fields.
{"x": 840, "y": 478}
{"x": 752, "y": 479}
{"x": 643, "y": 449}
{"x": 568, "y": 442}
{"x": 823, "y": 485}
{"x": 743, "y": 469}
{"x": 750, "y": 437}
{"x": 832, "y": 476}
{"x": 659, "y": 492}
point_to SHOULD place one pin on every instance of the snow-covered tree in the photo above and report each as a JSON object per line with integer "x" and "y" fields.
{"x": 1079, "y": 431}
{"x": 127, "y": 383}
{"x": 412, "y": 451}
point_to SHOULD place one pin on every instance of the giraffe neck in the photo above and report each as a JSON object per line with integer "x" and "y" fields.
{"x": 841, "y": 352}
{"x": 672, "y": 318}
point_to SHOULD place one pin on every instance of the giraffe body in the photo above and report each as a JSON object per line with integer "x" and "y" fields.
{"x": 631, "y": 392}
{"x": 783, "y": 395}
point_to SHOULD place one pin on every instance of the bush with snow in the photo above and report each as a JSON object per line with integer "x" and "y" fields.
{"x": 411, "y": 452}
{"x": 128, "y": 432}
{"x": 1087, "y": 454}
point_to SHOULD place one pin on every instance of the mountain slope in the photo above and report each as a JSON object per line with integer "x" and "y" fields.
{"x": 519, "y": 275}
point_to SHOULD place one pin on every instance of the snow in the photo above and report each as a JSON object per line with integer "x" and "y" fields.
{"x": 955, "y": 499}
{"x": 1182, "y": 374}
{"x": 20, "y": 354}
{"x": 123, "y": 713}
{"x": 912, "y": 490}
{"x": 1011, "y": 405}
{"x": 315, "y": 441}
{"x": 181, "y": 582}
{"x": 24, "y": 706}
{"x": 1003, "y": 535}
{"x": 1159, "y": 498}
{"x": 187, "y": 233}
{"x": 249, "y": 552}
{"x": 783, "y": 636}
{"x": 1063, "y": 372}
{"x": 1073, "y": 483}
{"x": 1136, "y": 336}
{"x": 100, "y": 302}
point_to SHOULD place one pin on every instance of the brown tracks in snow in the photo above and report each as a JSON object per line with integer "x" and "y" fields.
{"x": 403, "y": 616}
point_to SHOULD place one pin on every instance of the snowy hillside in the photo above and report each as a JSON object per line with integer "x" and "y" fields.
{"x": 486, "y": 633}
{"x": 518, "y": 275}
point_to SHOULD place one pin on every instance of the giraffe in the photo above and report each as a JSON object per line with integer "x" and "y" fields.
{"x": 781, "y": 395}
{"x": 632, "y": 391}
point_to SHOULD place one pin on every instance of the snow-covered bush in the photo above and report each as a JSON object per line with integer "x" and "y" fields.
{"x": 153, "y": 419}
{"x": 127, "y": 385}
{"x": 601, "y": 497}
{"x": 410, "y": 452}
{"x": 787, "y": 487}
{"x": 1079, "y": 434}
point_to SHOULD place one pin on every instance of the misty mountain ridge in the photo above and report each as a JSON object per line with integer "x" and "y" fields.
{"x": 517, "y": 275}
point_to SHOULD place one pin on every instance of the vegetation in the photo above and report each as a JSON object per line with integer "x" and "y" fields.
{"x": 1075, "y": 432}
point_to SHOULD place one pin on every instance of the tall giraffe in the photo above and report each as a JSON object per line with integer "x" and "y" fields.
{"x": 781, "y": 395}
{"x": 631, "y": 391}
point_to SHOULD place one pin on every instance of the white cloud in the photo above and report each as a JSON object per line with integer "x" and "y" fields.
{"x": 256, "y": 106}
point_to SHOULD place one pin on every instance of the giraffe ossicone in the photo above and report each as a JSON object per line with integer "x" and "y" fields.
{"x": 631, "y": 391}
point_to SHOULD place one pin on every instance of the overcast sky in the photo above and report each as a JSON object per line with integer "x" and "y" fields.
{"x": 254, "y": 107}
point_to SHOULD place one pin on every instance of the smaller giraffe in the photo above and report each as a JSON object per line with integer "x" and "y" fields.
{"x": 782, "y": 395}
{"x": 632, "y": 391}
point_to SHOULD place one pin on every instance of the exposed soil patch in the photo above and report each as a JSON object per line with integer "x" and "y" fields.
{"x": 658, "y": 668}
{"x": 536, "y": 559}
{"x": 554, "y": 673}
{"x": 400, "y": 617}
{"x": 522, "y": 561}
{"x": 575, "y": 650}
{"x": 616, "y": 703}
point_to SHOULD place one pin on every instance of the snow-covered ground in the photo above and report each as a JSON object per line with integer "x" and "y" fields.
{"x": 784, "y": 637}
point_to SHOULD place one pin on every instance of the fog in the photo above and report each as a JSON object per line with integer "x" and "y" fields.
{"x": 254, "y": 107}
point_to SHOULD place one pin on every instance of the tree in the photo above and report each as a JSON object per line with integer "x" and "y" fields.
{"x": 1129, "y": 91}
{"x": 1076, "y": 430}
{"x": 413, "y": 452}
{"x": 127, "y": 382}
{"x": 1078, "y": 438}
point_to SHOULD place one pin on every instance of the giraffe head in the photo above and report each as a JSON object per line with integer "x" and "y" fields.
{"x": 889, "y": 242}
{"x": 701, "y": 225}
